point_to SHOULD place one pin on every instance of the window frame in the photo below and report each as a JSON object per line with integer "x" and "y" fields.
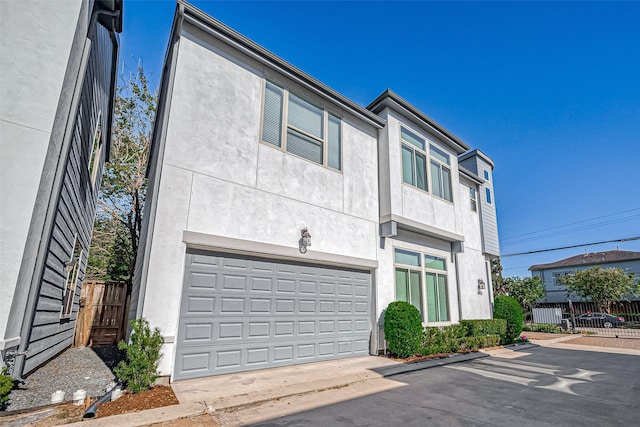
{"x": 487, "y": 194}
{"x": 96, "y": 150}
{"x": 473, "y": 199}
{"x": 327, "y": 115}
{"x": 71, "y": 282}
{"x": 415, "y": 152}
{"x": 424, "y": 270}
{"x": 440, "y": 165}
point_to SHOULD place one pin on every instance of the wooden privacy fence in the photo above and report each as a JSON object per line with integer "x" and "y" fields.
{"x": 102, "y": 318}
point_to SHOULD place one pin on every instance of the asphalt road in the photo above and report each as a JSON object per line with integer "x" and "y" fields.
{"x": 541, "y": 387}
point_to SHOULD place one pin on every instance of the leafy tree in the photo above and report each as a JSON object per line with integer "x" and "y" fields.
{"x": 527, "y": 290}
{"x": 602, "y": 286}
{"x": 120, "y": 205}
{"x": 501, "y": 286}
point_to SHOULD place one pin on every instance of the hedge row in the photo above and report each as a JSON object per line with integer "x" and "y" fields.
{"x": 542, "y": 327}
{"x": 405, "y": 335}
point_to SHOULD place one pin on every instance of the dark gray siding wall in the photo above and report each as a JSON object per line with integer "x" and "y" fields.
{"x": 471, "y": 164}
{"x": 488, "y": 215}
{"x": 76, "y": 204}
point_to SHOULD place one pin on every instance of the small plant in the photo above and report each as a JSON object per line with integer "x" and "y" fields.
{"x": 521, "y": 339}
{"x": 508, "y": 308}
{"x": 140, "y": 368}
{"x": 6, "y": 385}
{"x": 402, "y": 328}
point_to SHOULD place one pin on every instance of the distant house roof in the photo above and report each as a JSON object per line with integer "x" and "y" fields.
{"x": 590, "y": 259}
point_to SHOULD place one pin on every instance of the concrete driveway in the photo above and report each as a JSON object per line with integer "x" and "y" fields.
{"x": 539, "y": 386}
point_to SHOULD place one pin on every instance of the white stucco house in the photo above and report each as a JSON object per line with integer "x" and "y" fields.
{"x": 282, "y": 218}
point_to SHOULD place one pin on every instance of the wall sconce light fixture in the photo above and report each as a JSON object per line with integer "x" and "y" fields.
{"x": 481, "y": 285}
{"x": 305, "y": 240}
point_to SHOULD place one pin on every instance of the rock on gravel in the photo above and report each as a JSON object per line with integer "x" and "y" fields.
{"x": 75, "y": 368}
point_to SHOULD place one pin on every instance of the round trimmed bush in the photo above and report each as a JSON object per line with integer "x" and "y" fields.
{"x": 508, "y": 308}
{"x": 402, "y": 328}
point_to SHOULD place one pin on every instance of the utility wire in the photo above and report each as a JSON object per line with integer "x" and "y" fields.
{"x": 627, "y": 239}
{"x": 568, "y": 224}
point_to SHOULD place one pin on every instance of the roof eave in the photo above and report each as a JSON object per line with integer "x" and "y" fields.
{"x": 391, "y": 99}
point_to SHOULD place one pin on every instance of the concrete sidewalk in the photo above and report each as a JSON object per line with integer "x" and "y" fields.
{"x": 241, "y": 390}
{"x": 626, "y": 345}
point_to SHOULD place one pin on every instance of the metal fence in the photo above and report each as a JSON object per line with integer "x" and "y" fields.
{"x": 623, "y": 319}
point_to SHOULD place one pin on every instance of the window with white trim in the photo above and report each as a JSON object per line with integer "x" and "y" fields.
{"x": 421, "y": 280}
{"x": 96, "y": 150}
{"x": 301, "y": 128}
{"x": 440, "y": 173}
{"x": 414, "y": 159}
{"x": 473, "y": 199}
{"x": 72, "y": 268}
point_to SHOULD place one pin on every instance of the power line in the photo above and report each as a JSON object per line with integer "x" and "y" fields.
{"x": 571, "y": 230}
{"x": 628, "y": 239}
{"x": 571, "y": 223}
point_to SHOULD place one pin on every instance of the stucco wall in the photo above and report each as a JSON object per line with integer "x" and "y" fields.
{"x": 36, "y": 39}
{"x": 218, "y": 179}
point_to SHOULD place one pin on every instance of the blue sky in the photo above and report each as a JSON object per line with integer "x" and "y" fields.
{"x": 549, "y": 90}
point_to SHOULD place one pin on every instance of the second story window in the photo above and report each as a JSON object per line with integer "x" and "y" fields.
{"x": 474, "y": 200}
{"x": 414, "y": 159}
{"x": 440, "y": 173}
{"x": 488, "y": 192}
{"x": 96, "y": 150}
{"x": 301, "y": 128}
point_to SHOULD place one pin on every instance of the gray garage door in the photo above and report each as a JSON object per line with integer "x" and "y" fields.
{"x": 240, "y": 314}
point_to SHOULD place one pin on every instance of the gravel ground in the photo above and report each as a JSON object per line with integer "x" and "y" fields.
{"x": 75, "y": 368}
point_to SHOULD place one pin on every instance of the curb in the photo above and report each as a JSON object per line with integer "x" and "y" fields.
{"x": 390, "y": 371}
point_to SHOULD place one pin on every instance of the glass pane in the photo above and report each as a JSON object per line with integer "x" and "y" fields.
{"x": 407, "y": 257}
{"x": 305, "y": 116}
{"x": 435, "y": 263}
{"x": 304, "y": 146}
{"x": 421, "y": 171}
{"x": 436, "y": 181}
{"x": 486, "y": 175}
{"x": 415, "y": 285}
{"x": 446, "y": 184}
{"x": 407, "y": 165}
{"x": 402, "y": 285}
{"x": 439, "y": 154}
{"x": 488, "y": 196}
{"x": 272, "y": 119}
{"x": 443, "y": 312}
{"x": 334, "y": 153}
{"x": 432, "y": 312}
{"x": 412, "y": 138}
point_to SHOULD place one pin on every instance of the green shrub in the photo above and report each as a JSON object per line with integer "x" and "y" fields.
{"x": 140, "y": 368}
{"x": 6, "y": 385}
{"x": 508, "y": 308}
{"x": 479, "y": 341}
{"x": 402, "y": 328}
{"x": 549, "y": 328}
{"x": 481, "y": 327}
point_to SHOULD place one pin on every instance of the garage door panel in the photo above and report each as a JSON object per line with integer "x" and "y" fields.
{"x": 239, "y": 314}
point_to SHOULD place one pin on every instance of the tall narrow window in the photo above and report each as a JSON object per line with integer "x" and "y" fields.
{"x": 96, "y": 150}
{"x": 440, "y": 173}
{"x": 414, "y": 159}
{"x": 436, "y": 281}
{"x": 473, "y": 198}
{"x": 488, "y": 192}
{"x": 72, "y": 268}
{"x": 310, "y": 132}
{"x": 486, "y": 175}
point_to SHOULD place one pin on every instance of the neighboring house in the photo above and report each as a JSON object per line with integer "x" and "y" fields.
{"x": 57, "y": 82}
{"x": 251, "y": 158}
{"x": 550, "y": 273}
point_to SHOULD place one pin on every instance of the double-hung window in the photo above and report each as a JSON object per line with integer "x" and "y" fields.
{"x": 96, "y": 150}
{"x": 421, "y": 280}
{"x": 474, "y": 199}
{"x": 301, "y": 128}
{"x": 73, "y": 272}
{"x": 440, "y": 173}
{"x": 414, "y": 159}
